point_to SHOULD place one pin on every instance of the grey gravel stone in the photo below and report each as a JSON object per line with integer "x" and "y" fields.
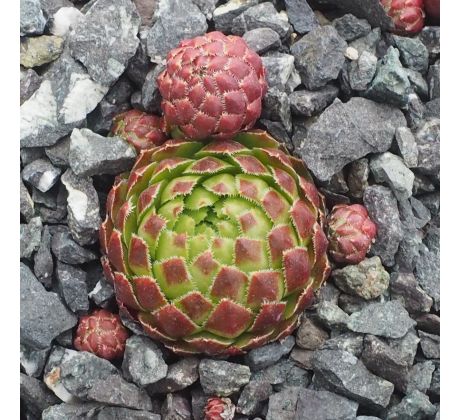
{"x": 307, "y": 103}
{"x": 199, "y": 401}
{"x": 35, "y": 395}
{"x": 207, "y": 7}
{"x": 222, "y": 378}
{"x": 41, "y": 174}
{"x": 368, "y": 43}
{"x": 407, "y": 146}
{"x": 310, "y": 335}
{"x": 143, "y": 361}
{"x": 341, "y": 372}
{"x": 431, "y": 38}
{"x": 383, "y": 210}
{"x": 30, "y": 237}
{"x": 33, "y": 361}
{"x": 62, "y": 21}
{"x": 427, "y": 273}
{"x": 120, "y": 413}
{"x": 428, "y": 140}
{"x": 319, "y": 56}
{"x": 261, "y": 40}
{"x": 332, "y": 316}
{"x": 420, "y": 377}
{"x": 180, "y": 375}
{"x": 414, "y": 54}
{"x": 415, "y": 111}
{"x": 282, "y": 405}
{"x": 108, "y": 24}
{"x": 176, "y": 407}
{"x": 432, "y": 108}
{"x": 349, "y": 342}
{"x": 364, "y": 127}
{"x": 368, "y": 279}
{"x": 435, "y": 386}
{"x": 43, "y": 315}
{"x": 263, "y": 15}
{"x": 350, "y": 27}
{"x": 83, "y": 208}
{"x": 278, "y": 69}
{"x": 175, "y": 20}
{"x": 139, "y": 65}
{"x": 29, "y": 83}
{"x": 269, "y": 354}
{"x": 415, "y": 406}
{"x": 252, "y": 395}
{"x": 295, "y": 377}
{"x": 352, "y": 303}
{"x": 302, "y": 357}
{"x": 301, "y": 16}
{"x": 358, "y": 175}
{"x": 418, "y": 83}
{"x": 404, "y": 288}
{"x": 277, "y": 130}
{"x": 40, "y": 50}
{"x": 31, "y": 18}
{"x": 74, "y": 411}
{"x": 430, "y": 323}
{"x": 26, "y": 203}
{"x": 71, "y": 283}
{"x": 362, "y": 71}
{"x": 406, "y": 346}
{"x": 391, "y": 84}
{"x": 58, "y": 154}
{"x": 430, "y": 345}
{"x": 224, "y": 14}
{"x": 150, "y": 94}
{"x": 102, "y": 293}
{"x": 387, "y": 319}
{"x": 68, "y": 251}
{"x": 434, "y": 81}
{"x": 276, "y": 107}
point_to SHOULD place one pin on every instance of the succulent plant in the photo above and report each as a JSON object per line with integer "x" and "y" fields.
{"x": 218, "y": 408}
{"x": 212, "y": 86}
{"x": 142, "y": 130}
{"x": 101, "y": 333}
{"x": 408, "y": 15}
{"x": 350, "y": 233}
{"x": 217, "y": 246}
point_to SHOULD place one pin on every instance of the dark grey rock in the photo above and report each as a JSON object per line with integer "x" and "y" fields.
{"x": 33, "y": 361}
{"x": 224, "y": 14}
{"x": 101, "y": 119}
{"x": 180, "y": 375}
{"x": 207, "y": 7}
{"x": 430, "y": 345}
{"x": 428, "y": 140}
{"x": 150, "y": 95}
{"x": 59, "y": 212}
{"x": 434, "y": 81}
{"x": 102, "y": 293}
{"x": 435, "y": 386}
{"x": 261, "y": 40}
{"x": 30, "y": 237}
{"x": 91, "y": 154}
{"x": 176, "y": 407}
{"x": 71, "y": 283}
{"x": 404, "y": 287}
{"x": 414, "y": 54}
{"x": 352, "y": 303}
{"x": 218, "y": 377}
{"x": 368, "y": 43}
{"x": 415, "y": 406}
{"x": 276, "y": 107}
{"x": 368, "y": 279}
{"x": 282, "y": 405}
{"x": 319, "y": 56}
{"x": 65, "y": 339}
{"x": 68, "y": 251}
{"x": 362, "y": 71}
{"x": 143, "y": 361}
{"x": 418, "y": 83}
{"x": 364, "y": 127}
{"x": 277, "y": 130}
{"x": 406, "y": 346}
{"x": 331, "y": 315}
{"x": 263, "y": 15}
{"x": 429, "y": 323}
{"x": 199, "y": 401}
{"x": 120, "y": 413}
{"x": 407, "y": 146}
{"x": 420, "y": 377}
{"x": 35, "y": 395}
{"x": 310, "y": 335}
{"x": 59, "y": 153}
{"x": 387, "y": 319}
{"x": 252, "y": 396}
{"x": 383, "y": 210}
{"x": 328, "y": 293}
{"x": 349, "y": 342}
{"x": 301, "y": 16}
{"x": 332, "y": 198}
{"x": 350, "y": 27}
{"x": 341, "y": 372}
{"x": 66, "y": 95}
{"x": 26, "y": 203}
{"x": 302, "y": 357}
{"x": 48, "y": 199}
{"x": 29, "y": 83}
{"x": 278, "y": 69}
{"x": 431, "y": 38}
{"x": 324, "y": 405}
{"x": 140, "y": 64}
{"x": 415, "y": 111}
{"x": 50, "y": 7}
{"x": 176, "y": 20}
{"x": 358, "y": 175}
{"x": 87, "y": 410}
{"x": 308, "y": 103}
{"x": 432, "y": 109}
{"x": 296, "y": 377}
{"x": 391, "y": 84}
{"x": 269, "y": 354}
{"x": 83, "y": 208}
{"x": 41, "y": 174}
{"x": 427, "y": 273}
{"x": 31, "y": 18}
{"x": 43, "y": 315}
{"x": 113, "y": 27}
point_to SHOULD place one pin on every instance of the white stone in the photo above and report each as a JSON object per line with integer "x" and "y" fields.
{"x": 64, "y": 19}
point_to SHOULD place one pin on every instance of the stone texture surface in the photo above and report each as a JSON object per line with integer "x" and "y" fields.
{"x": 222, "y": 378}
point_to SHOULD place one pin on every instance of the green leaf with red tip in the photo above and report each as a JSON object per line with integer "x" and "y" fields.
{"x": 276, "y": 206}
{"x": 223, "y": 250}
{"x": 286, "y": 183}
{"x": 139, "y": 256}
{"x": 171, "y": 244}
{"x": 226, "y": 228}
{"x": 303, "y": 219}
{"x": 269, "y": 316}
{"x": 151, "y": 227}
{"x": 185, "y": 224}
{"x": 117, "y": 252}
{"x": 176, "y": 148}
{"x": 198, "y": 215}
{"x": 173, "y": 322}
{"x": 180, "y": 186}
{"x": 207, "y": 165}
{"x": 229, "y": 283}
{"x": 221, "y": 147}
{"x": 203, "y": 270}
{"x": 280, "y": 238}
{"x": 200, "y": 198}
{"x": 256, "y": 138}
{"x": 285, "y": 328}
{"x": 250, "y": 165}
{"x": 251, "y": 187}
{"x": 197, "y": 244}
{"x": 208, "y": 343}
{"x": 254, "y": 224}
{"x": 116, "y": 199}
{"x": 173, "y": 277}
{"x": 148, "y": 199}
{"x": 169, "y": 168}
{"x": 171, "y": 211}
{"x": 248, "y": 341}
{"x": 250, "y": 254}
{"x": 195, "y": 306}
{"x": 127, "y": 220}
{"x": 297, "y": 268}
{"x": 222, "y": 184}
{"x": 139, "y": 180}
{"x": 124, "y": 291}
{"x": 275, "y": 158}
{"x": 148, "y": 293}
{"x": 265, "y": 286}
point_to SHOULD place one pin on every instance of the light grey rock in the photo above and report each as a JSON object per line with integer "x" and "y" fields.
{"x": 176, "y": 20}
{"x": 269, "y": 354}
{"x": 276, "y": 107}
{"x": 261, "y": 40}
{"x": 222, "y": 378}
{"x": 83, "y": 208}
{"x": 180, "y": 375}
{"x": 430, "y": 345}
{"x": 29, "y": 83}
{"x": 418, "y": 83}
{"x": 362, "y": 71}
{"x": 414, "y": 54}
{"x": 58, "y": 154}
{"x": 87, "y": 410}
{"x": 31, "y": 18}
{"x": 415, "y": 406}
{"x": 252, "y": 397}
{"x": 319, "y": 56}
{"x": 43, "y": 315}
{"x": 120, "y": 413}
{"x": 64, "y": 19}
{"x": 353, "y": 303}
{"x": 307, "y": 103}
{"x": 434, "y": 81}
{"x": 407, "y": 146}
{"x": 368, "y": 43}
{"x": 387, "y": 319}
{"x": 30, "y": 237}
{"x": 26, "y": 203}
{"x": 41, "y": 174}
{"x": 207, "y": 7}
{"x": 350, "y": 27}
{"x": 428, "y": 138}
{"x": 143, "y": 361}
{"x": 278, "y": 69}
{"x": 224, "y": 14}
{"x": 404, "y": 287}
{"x": 282, "y": 405}
{"x": 33, "y": 361}
{"x": 406, "y": 346}
{"x": 348, "y": 131}
{"x": 68, "y": 251}
{"x": 431, "y": 38}
{"x": 310, "y": 335}
{"x": 349, "y": 342}
{"x": 332, "y": 316}
{"x": 176, "y": 407}
{"x": 301, "y": 16}
{"x": 419, "y": 377}
{"x": 35, "y": 395}
{"x": 71, "y": 283}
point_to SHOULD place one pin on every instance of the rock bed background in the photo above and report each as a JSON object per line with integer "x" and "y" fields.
{"x": 359, "y": 105}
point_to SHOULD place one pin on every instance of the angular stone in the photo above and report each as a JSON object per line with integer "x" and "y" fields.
{"x": 58, "y": 154}
{"x": 310, "y": 335}
{"x": 302, "y": 357}
{"x": 261, "y": 40}
{"x": 430, "y": 345}
{"x": 101, "y": 119}
{"x": 319, "y": 56}
{"x": 282, "y": 405}
{"x": 349, "y": 342}
{"x": 143, "y": 361}
{"x": 406, "y": 346}
{"x": 71, "y": 283}
{"x": 37, "y": 51}
{"x": 341, "y": 372}
{"x": 427, "y": 273}
{"x": 296, "y": 377}
{"x": 301, "y": 16}
{"x": 180, "y": 375}
{"x": 29, "y": 83}
{"x": 362, "y": 71}
{"x": 407, "y": 146}
{"x": 176, "y": 20}
{"x": 420, "y": 377}
{"x": 432, "y": 109}
{"x": 368, "y": 279}
{"x": 435, "y": 386}
{"x": 350, "y": 27}
{"x": 86, "y": 410}
{"x": 41, "y": 174}
{"x": 391, "y": 84}
{"x": 66, "y": 95}
{"x": 277, "y": 130}
{"x": 368, "y": 43}
{"x": 224, "y": 14}
{"x": 352, "y": 303}
{"x": 365, "y": 127}
{"x": 332, "y": 316}
{"x": 26, "y": 203}
{"x": 404, "y": 287}
{"x": 32, "y": 21}
{"x": 43, "y": 315}
{"x": 387, "y": 319}
{"x": 150, "y": 94}
{"x": 82, "y": 207}
{"x": 418, "y": 83}
{"x": 35, "y": 395}
{"x": 222, "y": 378}
{"x": 415, "y": 406}
{"x": 120, "y": 413}
{"x": 176, "y": 407}
{"x": 429, "y": 323}
{"x": 68, "y": 251}
{"x": 102, "y": 293}
{"x": 383, "y": 210}
{"x": 207, "y": 7}
{"x": 278, "y": 69}
{"x": 263, "y": 15}
{"x": 108, "y": 24}
{"x": 33, "y": 361}
{"x": 428, "y": 140}
{"x": 252, "y": 396}
{"x": 414, "y": 54}
{"x": 140, "y": 64}
{"x": 276, "y": 107}
{"x": 64, "y": 19}
{"x": 431, "y": 38}
{"x": 30, "y": 237}
{"x": 269, "y": 354}
{"x": 308, "y": 103}
{"x": 434, "y": 81}
{"x": 358, "y": 175}
{"x": 320, "y": 405}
